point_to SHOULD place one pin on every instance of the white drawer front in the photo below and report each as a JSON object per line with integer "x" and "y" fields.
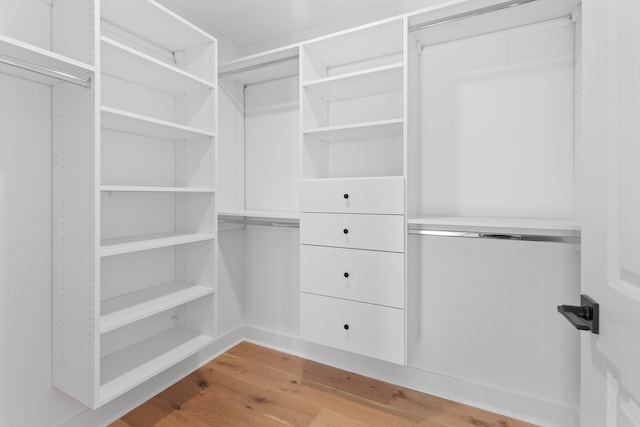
{"x": 353, "y": 326}
{"x": 367, "y": 276}
{"x": 375, "y": 232}
{"x": 354, "y": 195}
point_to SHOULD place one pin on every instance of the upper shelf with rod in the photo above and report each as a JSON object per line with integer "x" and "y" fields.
{"x": 457, "y": 22}
{"x": 270, "y": 65}
{"x": 266, "y": 221}
{"x": 35, "y": 63}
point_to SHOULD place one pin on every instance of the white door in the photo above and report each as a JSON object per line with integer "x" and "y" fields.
{"x": 610, "y": 361}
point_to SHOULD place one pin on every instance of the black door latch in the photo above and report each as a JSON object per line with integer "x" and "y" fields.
{"x": 585, "y": 317}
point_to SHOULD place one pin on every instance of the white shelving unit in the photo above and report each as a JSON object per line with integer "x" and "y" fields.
{"x": 164, "y": 106}
{"x": 352, "y": 201}
{"x": 352, "y": 99}
{"x": 148, "y": 294}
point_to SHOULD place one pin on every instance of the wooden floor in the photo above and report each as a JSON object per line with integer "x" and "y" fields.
{"x": 254, "y": 386}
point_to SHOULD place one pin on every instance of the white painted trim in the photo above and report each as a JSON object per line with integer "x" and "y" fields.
{"x": 478, "y": 395}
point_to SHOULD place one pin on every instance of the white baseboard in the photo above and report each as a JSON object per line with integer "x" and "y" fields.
{"x": 482, "y": 396}
{"x": 136, "y": 397}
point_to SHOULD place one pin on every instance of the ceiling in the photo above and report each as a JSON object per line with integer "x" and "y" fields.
{"x": 252, "y": 22}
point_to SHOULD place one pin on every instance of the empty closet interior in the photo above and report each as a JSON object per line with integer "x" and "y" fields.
{"x": 400, "y": 198}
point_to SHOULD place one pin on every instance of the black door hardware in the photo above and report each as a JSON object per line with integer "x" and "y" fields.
{"x": 585, "y": 317}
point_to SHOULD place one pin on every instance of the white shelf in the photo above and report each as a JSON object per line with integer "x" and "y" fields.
{"x": 265, "y": 66}
{"x": 27, "y": 53}
{"x": 125, "y": 121}
{"x": 129, "y": 308}
{"x": 260, "y": 214}
{"x": 129, "y": 64}
{"x": 369, "y": 130}
{"x": 529, "y": 225}
{"x": 155, "y": 23}
{"x": 510, "y": 17}
{"x": 142, "y": 189}
{"x": 376, "y": 81}
{"x": 142, "y": 243}
{"x": 367, "y": 42}
{"x": 122, "y": 371}
{"x": 353, "y": 178}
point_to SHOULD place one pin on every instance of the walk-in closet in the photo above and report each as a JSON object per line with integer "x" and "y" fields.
{"x": 430, "y": 194}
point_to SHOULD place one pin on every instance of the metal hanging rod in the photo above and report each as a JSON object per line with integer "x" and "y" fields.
{"x": 256, "y": 66}
{"x": 264, "y": 222}
{"x": 44, "y": 71}
{"x": 498, "y": 236}
{"x": 469, "y": 14}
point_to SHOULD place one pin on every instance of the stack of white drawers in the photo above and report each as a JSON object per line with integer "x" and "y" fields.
{"x": 352, "y": 266}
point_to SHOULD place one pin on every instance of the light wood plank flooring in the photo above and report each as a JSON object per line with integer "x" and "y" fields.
{"x": 251, "y": 385}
